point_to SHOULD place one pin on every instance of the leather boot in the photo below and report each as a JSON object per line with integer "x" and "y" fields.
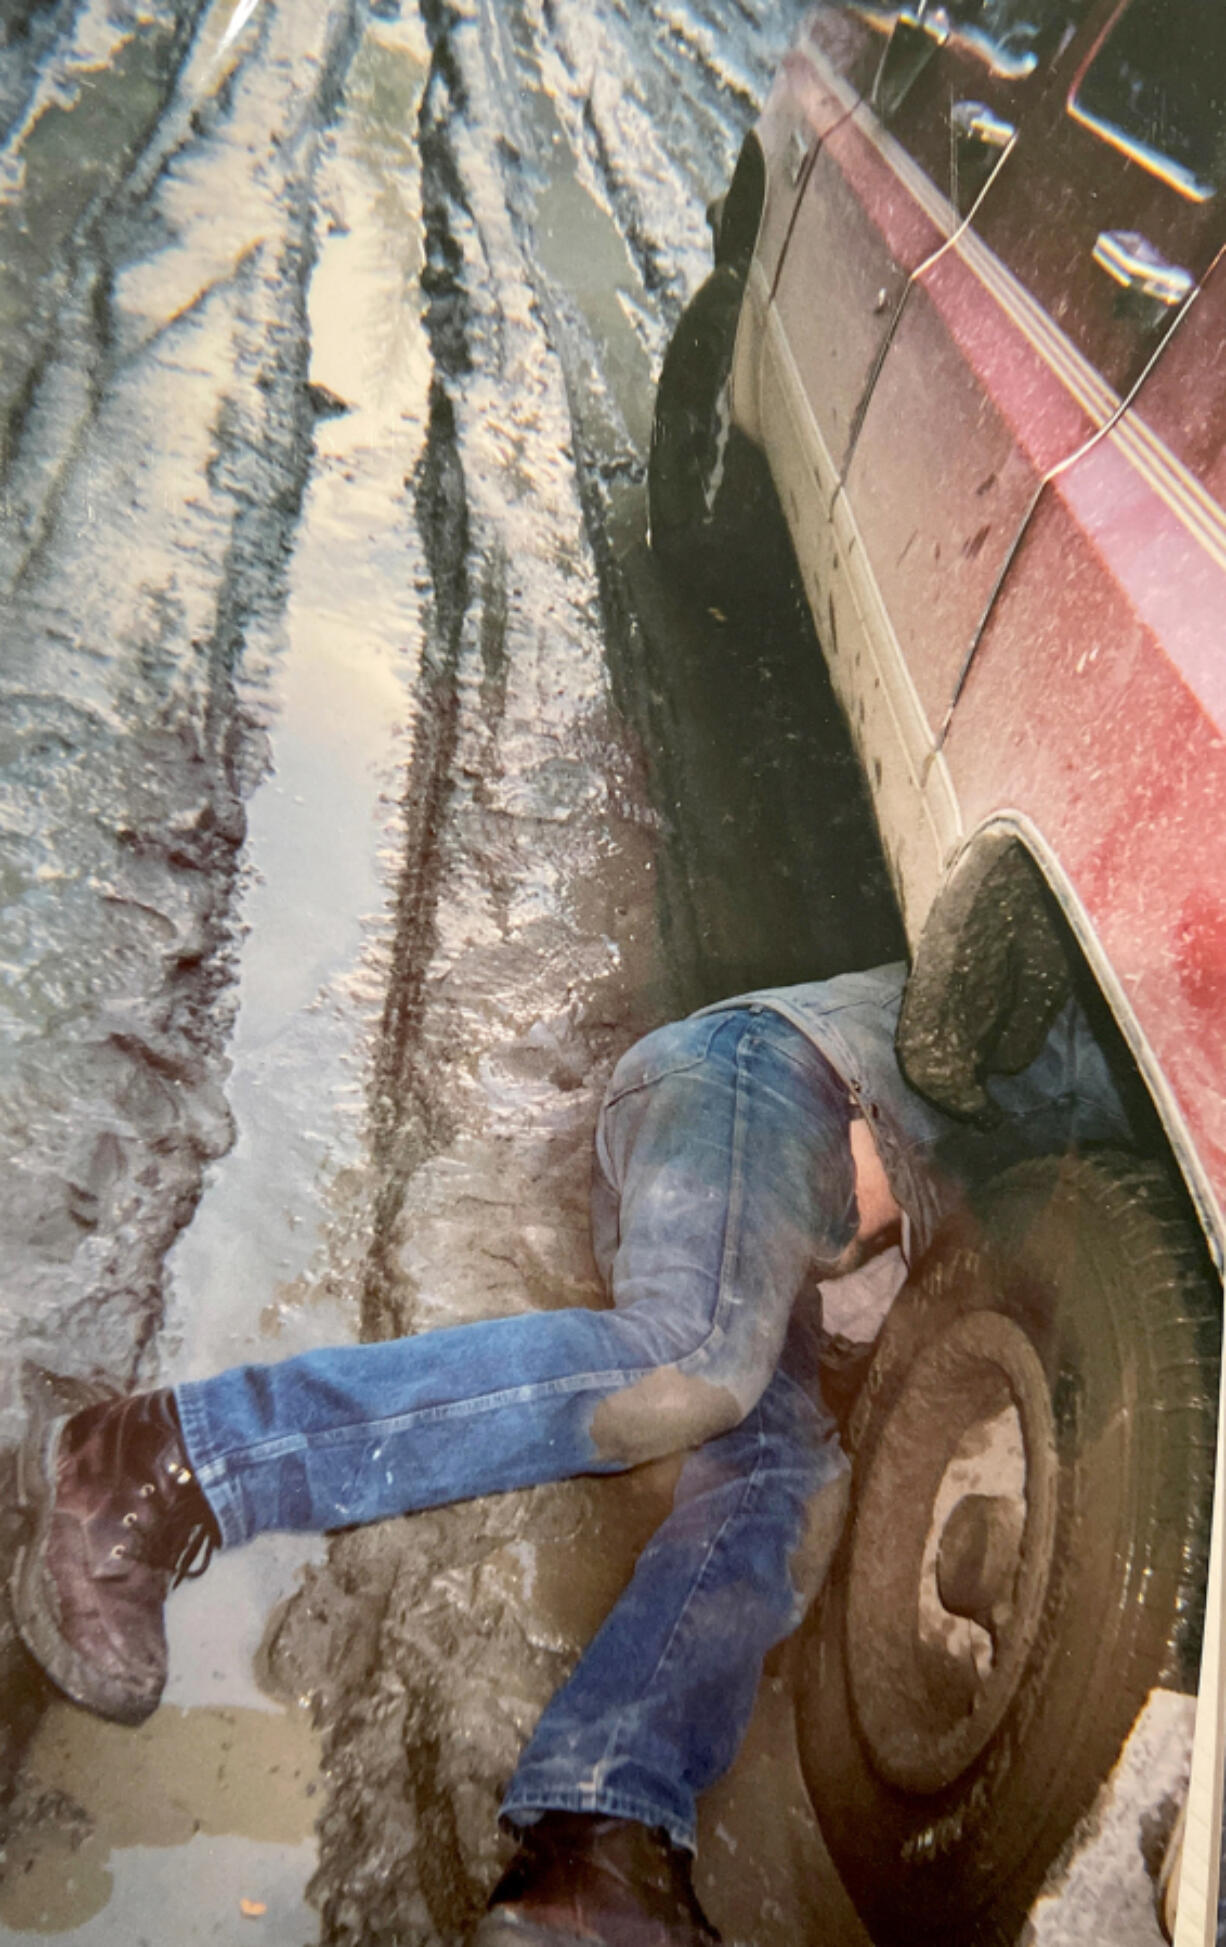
{"x": 116, "y": 1520}
{"x": 580, "y": 1878}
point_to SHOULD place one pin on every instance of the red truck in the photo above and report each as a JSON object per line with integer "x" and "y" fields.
{"x": 969, "y": 301}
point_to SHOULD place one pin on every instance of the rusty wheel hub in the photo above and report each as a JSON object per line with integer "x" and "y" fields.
{"x": 952, "y": 1551}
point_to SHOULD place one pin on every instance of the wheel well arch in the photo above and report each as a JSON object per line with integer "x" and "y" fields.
{"x": 737, "y": 214}
{"x": 1005, "y": 942}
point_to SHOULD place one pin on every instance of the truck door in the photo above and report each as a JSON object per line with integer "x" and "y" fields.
{"x": 885, "y": 199}
{"x": 1018, "y": 341}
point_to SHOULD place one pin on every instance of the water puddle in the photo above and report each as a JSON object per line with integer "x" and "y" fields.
{"x": 583, "y": 253}
{"x": 209, "y": 1805}
{"x": 212, "y": 1819}
{"x": 538, "y": 958}
{"x": 80, "y": 132}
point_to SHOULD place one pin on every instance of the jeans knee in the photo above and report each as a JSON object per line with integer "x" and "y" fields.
{"x": 664, "y": 1412}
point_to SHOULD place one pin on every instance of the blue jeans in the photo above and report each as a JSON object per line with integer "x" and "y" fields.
{"x": 723, "y": 1184}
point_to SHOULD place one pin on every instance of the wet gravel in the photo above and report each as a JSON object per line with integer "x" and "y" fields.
{"x": 610, "y": 803}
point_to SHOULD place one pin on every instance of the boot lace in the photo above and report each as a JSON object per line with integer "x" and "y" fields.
{"x": 200, "y": 1544}
{"x": 183, "y": 1537}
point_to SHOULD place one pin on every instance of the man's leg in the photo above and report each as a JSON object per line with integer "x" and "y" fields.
{"x": 658, "y": 1704}
{"x": 723, "y": 1142}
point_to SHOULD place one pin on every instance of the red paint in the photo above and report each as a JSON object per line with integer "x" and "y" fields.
{"x": 820, "y": 106}
{"x": 1200, "y": 950}
{"x": 1046, "y": 421}
{"x": 892, "y": 216}
{"x": 1093, "y": 607}
{"x": 1080, "y": 718}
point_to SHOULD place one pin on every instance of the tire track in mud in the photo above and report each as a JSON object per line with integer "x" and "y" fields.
{"x": 55, "y": 241}
{"x": 418, "y": 1641}
{"x": 160, "y": 440}
{"x": 523, "y": 952}
{"x": 401, "y": 1095}
{"x": 401, "y": 1110}
{"x": 29, "y": 29}
{"x": 523, "y": 962}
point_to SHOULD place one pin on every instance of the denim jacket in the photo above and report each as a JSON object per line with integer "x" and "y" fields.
{"x": 1065, "y": 1096}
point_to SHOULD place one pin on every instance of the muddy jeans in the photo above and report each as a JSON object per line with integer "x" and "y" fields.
{"x": 723, "y": 1180}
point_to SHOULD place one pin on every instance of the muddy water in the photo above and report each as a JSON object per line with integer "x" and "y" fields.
{"x": 164, "y": 1833}
{"x": 531, "y": 951}
{"x": 157, "y": 434}
{"x": 274, "y": 1259}
{"x": 383, "y": 795}
{"x": 271, "y": 1261}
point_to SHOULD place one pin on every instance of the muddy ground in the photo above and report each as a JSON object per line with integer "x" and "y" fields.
{"x": 366, "y": 792}
{"x": 365, "y": 789}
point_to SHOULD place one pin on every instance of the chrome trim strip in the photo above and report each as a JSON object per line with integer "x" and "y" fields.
{"x": 1131, "y": 261}
{"x": 1164, "y": 167}
{"x": 1180, "y": 490}
{"x": 1095, "y": 397}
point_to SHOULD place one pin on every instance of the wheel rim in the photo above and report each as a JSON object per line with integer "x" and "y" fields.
{"x": 946, "y": 1589}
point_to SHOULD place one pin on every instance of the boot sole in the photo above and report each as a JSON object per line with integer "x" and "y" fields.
{"x": 33, "y": 1593}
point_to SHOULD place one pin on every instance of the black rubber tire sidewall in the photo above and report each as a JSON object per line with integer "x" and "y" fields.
{"x": 1098, "y": 1264}
{"x": 706, "y": 485}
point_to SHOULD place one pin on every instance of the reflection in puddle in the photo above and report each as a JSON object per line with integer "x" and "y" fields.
{"x": 548, "y": 904}
{"x": 230, "y": 1792}
{"x": 238, "y": 20}
{"x": 163, "y": 1833}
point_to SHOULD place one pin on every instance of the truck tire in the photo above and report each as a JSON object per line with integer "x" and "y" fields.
{"x": 981, "y": 1656}
{"x": 710, "y": 500}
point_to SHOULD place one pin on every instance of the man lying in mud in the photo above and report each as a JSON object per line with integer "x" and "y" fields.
{"x": 742, "y": 1156}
